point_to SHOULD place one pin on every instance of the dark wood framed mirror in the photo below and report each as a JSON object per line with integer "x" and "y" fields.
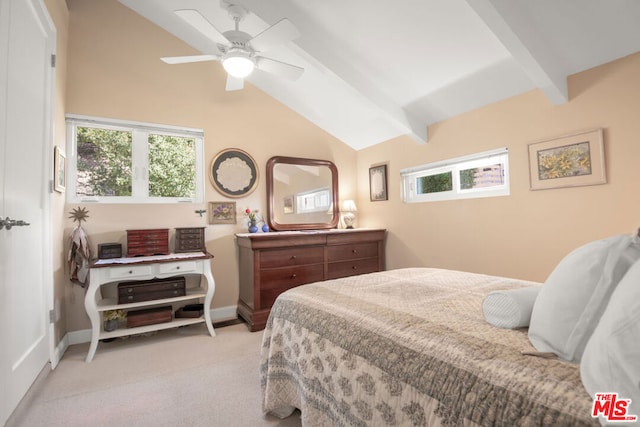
{"x": 302, "y": 194}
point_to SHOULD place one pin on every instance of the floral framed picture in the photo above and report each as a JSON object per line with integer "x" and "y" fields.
{"x": 222, "y": 212}
{"x": 59, "y": 170}
{"x": 378, "y": 183}
{"x": 568, "y": 161}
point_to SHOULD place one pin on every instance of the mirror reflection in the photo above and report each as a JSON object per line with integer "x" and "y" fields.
{"x": 301, "y": 194}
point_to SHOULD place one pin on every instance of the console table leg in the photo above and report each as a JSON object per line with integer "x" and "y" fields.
{"x": 92, "y": 350}
{"x": 211, "y": 288}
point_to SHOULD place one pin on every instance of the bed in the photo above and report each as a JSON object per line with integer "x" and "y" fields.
{"x": 410, "y": 347}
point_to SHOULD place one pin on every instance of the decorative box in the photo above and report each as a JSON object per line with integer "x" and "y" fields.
{"x": 190, "y": 239}
{"x": 147, "y": 290}
{"x": 190, "y": 310}
{"x": 147, "y": 242}
{"x": 109, "y": 250}
{"x": 149, "y": 316}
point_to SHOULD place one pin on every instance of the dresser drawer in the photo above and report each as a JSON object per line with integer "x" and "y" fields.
{"x": 291, "y": 256}
{"x": 268, "y": 296}
{"x": 147, "y": 290}
{"x": 354, "y": 251}
{"x": 352, "y": 268}
{"x": 129, "y": 272}
{"x": 178, "y": 267}
{"x": 285, "y": 278}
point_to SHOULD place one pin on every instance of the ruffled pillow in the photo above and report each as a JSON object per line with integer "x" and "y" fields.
{"x": 611, "y": 359}
{"x": 576, "y": 293}
{"x": 510, "y": 308}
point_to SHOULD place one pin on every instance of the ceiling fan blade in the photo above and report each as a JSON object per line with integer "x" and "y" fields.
{"x": 234, "y": 83}
{"x": 187, "y": 59}
{"x": 279, "y": 33}
{"x": 282, "y": 69}
{"x": 202, "y": 24}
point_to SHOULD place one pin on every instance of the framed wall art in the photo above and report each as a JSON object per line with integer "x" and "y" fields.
{"x": 288, "y": 206}
{"x": 222, "y": 212}
{"x": 568, "y": 161}
{"x": 378, "y": 183}
{"x": 233, "y": 173}
{"x": 59, "y": 170}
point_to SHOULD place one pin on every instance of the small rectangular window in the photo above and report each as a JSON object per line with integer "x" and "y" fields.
{"x": 317, "y": 200}
{"x": 113, "y": 161}
{"x": 478, "y": 175}
{"x": 435, "y": 183}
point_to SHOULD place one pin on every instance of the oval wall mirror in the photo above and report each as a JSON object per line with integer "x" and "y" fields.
{"x": 302, "y": 194}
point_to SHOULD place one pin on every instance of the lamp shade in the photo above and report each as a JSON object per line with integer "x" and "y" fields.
{"x": 349, "y": 206}
{"x": 238, "y": 64}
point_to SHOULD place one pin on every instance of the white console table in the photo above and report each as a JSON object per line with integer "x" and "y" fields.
{"x": 145, "y": 268}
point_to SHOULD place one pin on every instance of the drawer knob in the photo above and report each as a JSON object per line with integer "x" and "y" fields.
{"x": 294, "y": 275}
{"x": 354, "y": 267}
{"x": 178, "y": 268}
{"x": 293, "y": 257}
{"x": 130, "y": 271}
{"x": 355, "y": 251}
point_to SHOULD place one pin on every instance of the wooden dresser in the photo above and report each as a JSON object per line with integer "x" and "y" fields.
{"x": 271, "y": 263}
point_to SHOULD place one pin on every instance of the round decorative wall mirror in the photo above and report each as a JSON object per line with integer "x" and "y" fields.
{"x": 233, "y": 173}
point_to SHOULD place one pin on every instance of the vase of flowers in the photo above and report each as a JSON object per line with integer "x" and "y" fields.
{"x": 112, "y": 318}
{"x": 253, "y": 219}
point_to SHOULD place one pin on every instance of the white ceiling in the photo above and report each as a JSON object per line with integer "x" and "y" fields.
{"x": 378, "y": 69}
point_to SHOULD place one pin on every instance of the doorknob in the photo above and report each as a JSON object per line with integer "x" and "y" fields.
{"x": 9, "y": 223}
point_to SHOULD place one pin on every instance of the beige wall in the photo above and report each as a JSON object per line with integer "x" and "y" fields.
{"x": 525, "y": 234}
{"x": 114, "y": 71}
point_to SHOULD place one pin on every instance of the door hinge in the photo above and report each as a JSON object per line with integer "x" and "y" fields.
{"x": 52, "y": 316}
{"x": 53, "y": 60}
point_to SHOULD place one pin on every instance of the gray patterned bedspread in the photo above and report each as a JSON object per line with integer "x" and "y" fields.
{"x": 410, "y": 347}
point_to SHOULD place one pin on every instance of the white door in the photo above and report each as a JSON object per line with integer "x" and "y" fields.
{"x": 27, "y": 41}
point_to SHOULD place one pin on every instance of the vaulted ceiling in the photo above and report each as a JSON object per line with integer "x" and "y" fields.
{"x": 378, "y": 69}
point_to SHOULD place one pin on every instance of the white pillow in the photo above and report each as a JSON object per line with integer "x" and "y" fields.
{"x": 611, "y": 360}
{"x": 510, "y": 308}
{"x": 576, "y": 293}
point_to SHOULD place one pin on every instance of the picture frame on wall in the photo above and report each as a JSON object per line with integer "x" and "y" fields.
{"x": 378, "y": 183}
{"x": 288, "y": 206}
{"x": 568, "y": 161}
{"x": 234, "y": 173}
{"x": 59, "y": 170}
{"x": 222, "y": 212}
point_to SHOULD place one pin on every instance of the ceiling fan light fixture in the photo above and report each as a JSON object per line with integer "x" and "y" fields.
{"x": 238, "y": 64}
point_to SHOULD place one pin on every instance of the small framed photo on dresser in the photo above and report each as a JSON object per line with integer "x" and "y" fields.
{"x": 378, "y": 183}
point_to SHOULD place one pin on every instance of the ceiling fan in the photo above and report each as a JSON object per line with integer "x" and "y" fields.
{"x": 237, "y": 50}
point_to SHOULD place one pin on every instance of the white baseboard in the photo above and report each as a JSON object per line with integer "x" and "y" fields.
{"x": 58, "y": 351}
{"x": 82, "y": 336}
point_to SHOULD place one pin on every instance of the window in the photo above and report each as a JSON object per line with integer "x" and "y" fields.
{"x": 114, "y": 161}
{"x": 314, "y": 201}
{"x": 478, "y": 175}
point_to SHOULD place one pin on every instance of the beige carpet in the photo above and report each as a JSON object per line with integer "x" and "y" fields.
{"x": 178, "y": 377}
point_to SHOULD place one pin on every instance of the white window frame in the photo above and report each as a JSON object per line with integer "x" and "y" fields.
{"x": 411, "y": 175}
{"x": 317, "y": 200}
{"x": 140, "y": 136}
